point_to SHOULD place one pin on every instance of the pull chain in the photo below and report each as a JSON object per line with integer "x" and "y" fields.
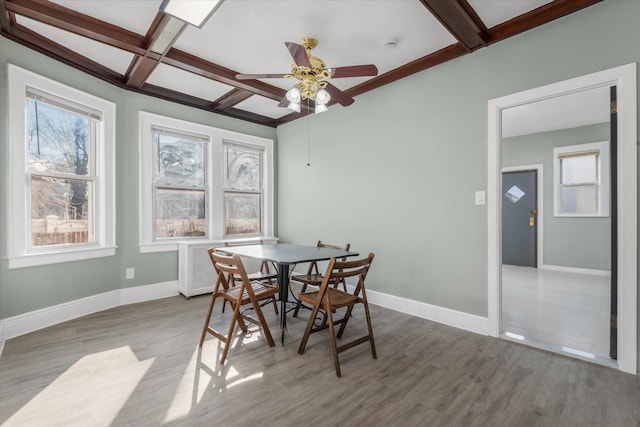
{"x": 308, "y": 149}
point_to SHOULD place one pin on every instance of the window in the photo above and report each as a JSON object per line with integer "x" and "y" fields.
{"x": 243, "y": 189}
{"x": 201, "y": 183}
{"x": 62, "y": 172}
{"x": 179, "y": 189}
{"x": 581, "y": 174}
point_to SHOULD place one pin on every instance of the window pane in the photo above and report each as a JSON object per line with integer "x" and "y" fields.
{"x": 580, "y": 199}
{"x": 579, "y": 169}
{"x": 180, "y": 160}
{"x": 60, "y": 211}
{"x": 58, "y": 139}
{"x": 242, "y": 167}
{"x": 179, "y": 213}
{"x": 242, "y": 213}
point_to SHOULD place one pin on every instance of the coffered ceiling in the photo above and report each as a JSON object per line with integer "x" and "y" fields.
{"x": 117, "y": 41}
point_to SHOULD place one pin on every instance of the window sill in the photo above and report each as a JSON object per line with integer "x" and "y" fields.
{"x": 147, "y": 248}
{"x": 35, "y": 260}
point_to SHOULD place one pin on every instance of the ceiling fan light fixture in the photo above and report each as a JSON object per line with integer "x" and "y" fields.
{"x": 194, "y": 12}
{"x": 295, "y": 106}
{"x": 293, "y": 95}
{"x": 320, "y": 108}
{"x": 322, "y": 97}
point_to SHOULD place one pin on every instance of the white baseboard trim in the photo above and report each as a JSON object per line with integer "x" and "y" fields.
{"x": 29, "y": 322}
{"x": 576, "y": 270}
{"x": 148, "y": 292}
{"x": 1, "y": 337}
{"x": 21, "y": 324}
{"x": 447, "y": 316}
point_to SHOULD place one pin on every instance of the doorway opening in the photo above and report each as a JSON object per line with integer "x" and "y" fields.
{"x": 624, "y": 78}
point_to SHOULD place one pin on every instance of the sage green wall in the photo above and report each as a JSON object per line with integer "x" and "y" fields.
{"x": 567, "y": 242}
{"x": 396, "y": 172}
{"x": 28, "y": 289}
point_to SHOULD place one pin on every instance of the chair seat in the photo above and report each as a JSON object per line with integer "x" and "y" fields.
{"x": 313, "y": 276}
{"x": 337, "y": 298}
{"x": 229, "y": 270}
{"x": 327, "y": 300}
{"x": 310, "y": 279}
{"x": 261, "y": 290}
{"x": 260, "y": 275}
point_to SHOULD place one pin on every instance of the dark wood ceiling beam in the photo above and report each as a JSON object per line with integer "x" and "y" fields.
{"x": 231, "y": 98}
{"x": 436, "y": 58}
{"x": 139, "y": 71}
{"x": 203, "y": 104}
{"x": 6, "y": 18}
{"x": 464, "y": 26}
{"x": 535, "y": 18}
{"x": 60, "y": 53}
{"x": 249, "y": 116}
{"x": 457, "y": 15}
{"x": 193, "y": 64}
{"x": 141, "y": 67}
{"x": 443, "y": 55}
{"x": 69, "y": 20}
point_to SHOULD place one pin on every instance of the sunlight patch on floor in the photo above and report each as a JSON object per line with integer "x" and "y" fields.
{"x": 85, "y": 391}
{"x": 202, "y": 376}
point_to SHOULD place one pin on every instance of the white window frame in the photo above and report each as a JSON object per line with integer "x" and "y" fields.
{"x": 227, "y": 188}
{"x": 602, "y": 193}
{"x": 214, "y": 179}
{"x": 20, "y": 252}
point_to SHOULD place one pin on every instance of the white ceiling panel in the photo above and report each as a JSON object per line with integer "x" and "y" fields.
{"x": 188, "y": 83}
{"x": 248, "y": 37}
{"x": 263, "y": 106}
{"x": 348, "y": 33}
{"x": 113, "y": 58}
{"x": 582, "y": 108}
{"x": 132, "y": 15}
{"x": 494, "y": 12}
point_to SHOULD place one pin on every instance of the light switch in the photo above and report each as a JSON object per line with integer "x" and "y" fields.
{"x": 479, "y": 197}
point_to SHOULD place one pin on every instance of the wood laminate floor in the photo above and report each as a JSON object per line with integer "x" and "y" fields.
{"x": 139, "y": 365}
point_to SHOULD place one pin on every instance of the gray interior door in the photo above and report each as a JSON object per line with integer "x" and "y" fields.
{"x": 519, "y": 218}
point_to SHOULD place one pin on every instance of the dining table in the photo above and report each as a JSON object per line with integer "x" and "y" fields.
{"x": 285, "y": 255}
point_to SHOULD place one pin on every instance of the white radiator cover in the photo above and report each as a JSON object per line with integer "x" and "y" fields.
{"x": 195, "y": 271}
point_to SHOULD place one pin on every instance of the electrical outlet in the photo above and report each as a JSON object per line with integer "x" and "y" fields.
{"x": 130, "y": 273}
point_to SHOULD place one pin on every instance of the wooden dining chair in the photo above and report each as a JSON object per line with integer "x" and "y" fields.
{"x": 264, "y": 274}
{"x": 247, "y": 292}
{"x": 313, "y": 276}
{"x": 329, "y": 299}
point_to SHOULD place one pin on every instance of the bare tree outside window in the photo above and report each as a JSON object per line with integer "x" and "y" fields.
{"x": 58, "y": 161}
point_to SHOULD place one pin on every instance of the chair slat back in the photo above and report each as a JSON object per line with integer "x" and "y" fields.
{"x": 229, "y": 266}
{"x": 339, "y": 270}
{"x": 313, "y": 266}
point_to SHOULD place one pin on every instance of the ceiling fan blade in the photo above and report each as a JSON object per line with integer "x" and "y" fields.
{"x": 260, "y": 76}
{"x": 284, "y": 102}
{"x": 299, "y": 54}
{"x": 338, "y": 95}
{"x": 354, "y": 71}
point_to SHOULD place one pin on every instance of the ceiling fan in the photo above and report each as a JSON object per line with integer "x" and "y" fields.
{"x": 313, "y": 74}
